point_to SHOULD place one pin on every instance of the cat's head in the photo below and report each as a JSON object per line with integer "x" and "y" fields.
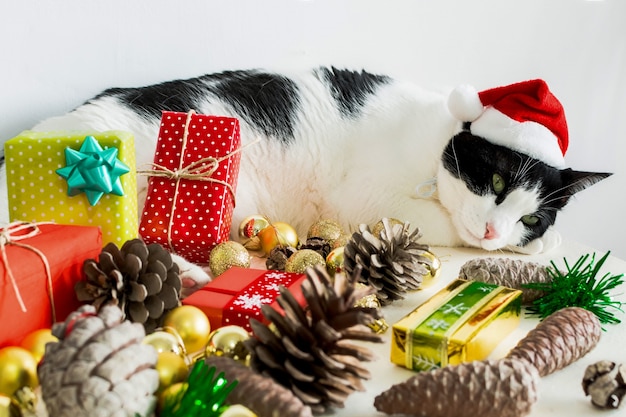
{"x": 499, "y": 197}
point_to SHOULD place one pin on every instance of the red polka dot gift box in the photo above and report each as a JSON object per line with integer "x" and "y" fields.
{"x": 192, "y": 184}
{"x": 236, "y": 296}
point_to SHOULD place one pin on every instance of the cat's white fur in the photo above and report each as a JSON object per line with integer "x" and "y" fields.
{"x": 353, "y": 171}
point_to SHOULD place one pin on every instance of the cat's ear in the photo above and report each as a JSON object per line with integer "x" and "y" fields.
{"x": 576, "y": 181}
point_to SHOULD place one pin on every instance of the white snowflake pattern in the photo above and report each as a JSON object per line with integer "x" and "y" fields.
{"x": 457, "y": 309}
{"x": 484, "y": 288}
{"x": 251, "y": 302}
{"x": 437, "y": 324}
{"x": 423, "y": 363}
{"x": 272, "y": 287}
{"x": 275, "y": 275}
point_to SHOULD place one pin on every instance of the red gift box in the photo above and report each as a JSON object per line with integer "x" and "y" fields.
{"x": 236, "y": 296}
{"x": 191, "y": 190}
{"x": 25, "y": 302}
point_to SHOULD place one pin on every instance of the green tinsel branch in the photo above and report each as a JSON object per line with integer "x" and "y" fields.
{"x": 579, "y": 286}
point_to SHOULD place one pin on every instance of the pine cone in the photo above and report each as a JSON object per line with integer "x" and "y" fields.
{"x": 498, "y": 388}
{"x": 512, "y": 273}
{"x": 99, "y": 367}
{"x": 141, "y": 279}
{"x": 312, "y": 354}
{"x": 262, "y": 395}
{"x": 277, "y": 259}
{"x": 317, "y": 244}
{"x": 392, "y": 263}
{"x": 605, "y": 382}
{"x": 562, "y": 338}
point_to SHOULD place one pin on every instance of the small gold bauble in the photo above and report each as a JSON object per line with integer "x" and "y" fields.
{"x": 35, "y": 342}
{"x": 277, "y": 234}
{"x": 164, "y": 341}
{"x": 5, "y": 406}
{"x": 18, "y": 369}
{"x": 238, "y": 410}
{"x": 303, "y": 259}
{"x": 191, "y": 324}
{"x": 341, "y": 241}
{"x": 334, "y": 261}
{"x": 226, "y": 255}
{"x": 249, "y": 229}
{"x": 171, "y": 393}
{"x": 225, "y": 341}
{"x": 379, "y": 226}
{"x": 171, "y": 368}
{"x": 433, "y": 269}
{"x": 326, "y": 229}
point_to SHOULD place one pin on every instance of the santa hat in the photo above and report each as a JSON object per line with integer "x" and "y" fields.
{"x": 524, "y": 117}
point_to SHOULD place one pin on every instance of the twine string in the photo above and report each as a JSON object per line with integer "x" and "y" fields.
{"x": 9, "y": 237}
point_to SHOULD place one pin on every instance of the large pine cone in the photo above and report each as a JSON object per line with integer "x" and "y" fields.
{"x": 99, "y": 367}
{"x": 392, "y": 263}
{"x": 512, "y": 273}
{"x": 141, "y": 279}
{"x": 310, "y": 352}
{"x": 491, "y": 388}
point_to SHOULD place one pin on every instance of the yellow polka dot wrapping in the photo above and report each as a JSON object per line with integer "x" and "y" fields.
{"x": 37, "y": 193}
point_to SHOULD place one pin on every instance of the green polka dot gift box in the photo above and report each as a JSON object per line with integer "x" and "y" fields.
{"x": 74, "y": 177}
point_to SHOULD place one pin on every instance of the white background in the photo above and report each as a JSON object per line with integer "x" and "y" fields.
{"x": 56, "y": 54}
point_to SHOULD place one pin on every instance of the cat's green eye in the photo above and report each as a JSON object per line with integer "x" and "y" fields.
{"x": 497, "y": 182}
{"x": 530, "y": 220}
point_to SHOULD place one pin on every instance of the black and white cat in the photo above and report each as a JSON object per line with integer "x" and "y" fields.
{"x": 355, "y": 147}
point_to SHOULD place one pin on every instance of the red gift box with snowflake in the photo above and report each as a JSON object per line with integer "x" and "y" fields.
{"x": 192, "y": 184}
{"x": 236, "y": 296}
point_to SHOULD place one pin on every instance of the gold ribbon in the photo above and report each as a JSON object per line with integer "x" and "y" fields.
{"x": 200, "y": 170}
{"x": 9, "y": 237}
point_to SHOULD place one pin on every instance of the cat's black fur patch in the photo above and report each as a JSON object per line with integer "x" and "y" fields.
{"x": 350, "y": 89}
{"x": 268, "y": 101}
{"x": 474, "y": 160}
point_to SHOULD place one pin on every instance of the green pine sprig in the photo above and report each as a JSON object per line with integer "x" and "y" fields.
{"x": 203, "y": 396}
{"x": 579, "y": 286}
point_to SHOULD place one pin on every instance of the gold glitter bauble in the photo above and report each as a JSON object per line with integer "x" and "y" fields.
{"x": 277, "y": 234}
{"x": 303, "y": 259}
{"x": 379, "y": 227}
{"x": 225, "y": 341}
{"x": 191, "y": 324}
{"x": 18, "y": 369}
{"x": 164, "y": 341}
{"x": 334, "y": 261}
{"x": 249, "y": 228}
{"x": 326, "y": 229}
{"x": 341, "y": 241}
{"x": 226, "y": 255}
{"x": 171, "y": 368}
{"x": 35, "y": 342}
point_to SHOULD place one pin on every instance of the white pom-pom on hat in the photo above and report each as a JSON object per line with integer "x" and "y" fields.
{"x": 464, "y": 103}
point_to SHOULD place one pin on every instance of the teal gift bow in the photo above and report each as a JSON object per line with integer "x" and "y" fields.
{"x": 93, "y": 170}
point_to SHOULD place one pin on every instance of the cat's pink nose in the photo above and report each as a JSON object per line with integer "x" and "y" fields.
{"x": 490, "y": 232}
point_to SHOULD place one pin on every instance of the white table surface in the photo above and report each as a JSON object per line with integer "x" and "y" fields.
{"x": 560, "y": 394}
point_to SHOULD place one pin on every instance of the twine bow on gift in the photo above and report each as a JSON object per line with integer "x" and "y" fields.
{"x": 10, "y": 236}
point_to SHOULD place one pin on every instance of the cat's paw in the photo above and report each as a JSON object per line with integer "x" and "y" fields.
{"x": 192, "y": 276}
{"x": 551, "y": 239}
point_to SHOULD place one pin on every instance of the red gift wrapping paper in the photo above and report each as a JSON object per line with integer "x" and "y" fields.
{"x": 236, "y": 296}
{"x": 190, "y": 200}
{"x": 65, "y": 248}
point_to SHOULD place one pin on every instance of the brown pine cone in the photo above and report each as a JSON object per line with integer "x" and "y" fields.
{"x": 141, "y": 279}
{"x": 311, "y": 352}
{"x": 277, "y": 258}
{"x": 491, "y": 388}
{"x": 99, "y": 367}
{"x": 562, "y": 338}
{"x": 512, "y": 273}
{"x": 317, "y": 244}
{"x": 605, "y": 382}
{"x": 262, "y": 395}
{"x": 392, "y": 263}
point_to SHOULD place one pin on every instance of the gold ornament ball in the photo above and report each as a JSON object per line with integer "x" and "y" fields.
{"x": 5, "y": 406}
{"x": 226, "y": 255}
{"x": 252, "y": 225}
{"x": 191, "y": 324}
{"x": 224, "y": 342}
{"x": 238, "y": 410}
{"x": 171, "y": 368}
{"x": 326, "y": 229}
{"x": 379, "y": 226}
{"x": 334, "y": 261}
{"x": 303, "y": 259}
{"x": 277, "y": 234}
{"x": 170, "y": 393}
{"x": 341, "y": 241}
{"x": 18, "y": 369}
{"x": 433, "y": 269}
{"x": 163, "y": 341}
{"x": 35, "y": 342}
